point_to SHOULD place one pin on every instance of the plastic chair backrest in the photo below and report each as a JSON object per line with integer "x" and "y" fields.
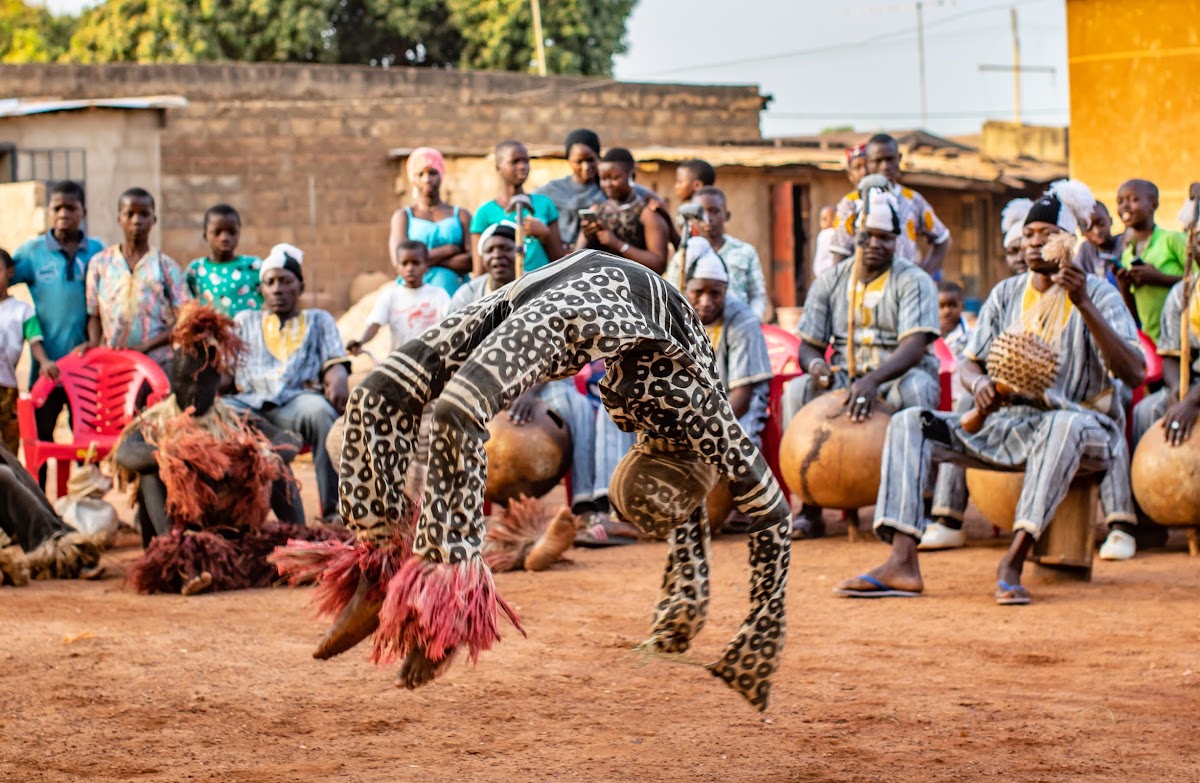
{"x": 1153, "y": 360}
{"x": 102, "y": 387}
{"x": 783, "y": 348}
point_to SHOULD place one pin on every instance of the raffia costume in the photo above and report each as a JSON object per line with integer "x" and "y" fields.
{"x": 436, "y": 592}
{"x": 220, "y": 474}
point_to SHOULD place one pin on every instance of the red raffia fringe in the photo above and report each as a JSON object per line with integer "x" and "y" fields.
{"x": 337, "y": 567}
{"x": 173, "y": 559}
{"x": 440, "y": 608}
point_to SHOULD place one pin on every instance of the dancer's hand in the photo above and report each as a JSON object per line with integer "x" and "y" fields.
{"x": 521, "y": 410}
{"x": 821, "y": 373}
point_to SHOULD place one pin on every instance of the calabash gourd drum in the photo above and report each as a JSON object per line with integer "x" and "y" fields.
{"x": 1166, "y": 479}
{"x": 1068, "y": 541}
{"x": 527, "y": 460}
{"x": 831, "y": 461}
{"x": 718, "y": 505}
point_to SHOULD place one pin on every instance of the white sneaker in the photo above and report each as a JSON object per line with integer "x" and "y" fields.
{"x": 938, "y": 536}
{"x": 1118, "y": 546}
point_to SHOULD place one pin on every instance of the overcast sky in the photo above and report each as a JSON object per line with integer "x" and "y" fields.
{"x": 850, "y": 62}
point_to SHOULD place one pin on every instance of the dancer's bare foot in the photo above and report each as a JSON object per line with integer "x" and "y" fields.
{"x": 356, "y": 622}
{"x": 899, "y": 575}
{"x": 417, "y": 669}
{"x": 558, "y": 538}
{"x": 197, "y": 584}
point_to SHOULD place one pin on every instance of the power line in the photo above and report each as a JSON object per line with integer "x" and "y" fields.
{"x": 828, "y": 47}
{"x": 898, "y": 115}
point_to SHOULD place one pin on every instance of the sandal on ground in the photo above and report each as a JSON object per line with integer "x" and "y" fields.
{"x": 877, "y": 589}
{"x": 1011, "y": 595}
{"x": 602, "y": 531}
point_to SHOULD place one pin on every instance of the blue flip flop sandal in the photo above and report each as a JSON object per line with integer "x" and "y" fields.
{"x": 879, "y": 590}
{"x": 1011, "y": 595}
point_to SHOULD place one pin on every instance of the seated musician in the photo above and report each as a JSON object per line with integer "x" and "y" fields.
{"x": 736, "y": 335}
{"x": 895, "y": 320}
{"x": 1073, "y": 427}
{"x": 1124, "y": 540}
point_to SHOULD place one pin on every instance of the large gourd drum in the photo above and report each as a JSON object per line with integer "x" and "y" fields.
{"x": 526, "y": 460}
{"x": 831, "y": 461}
{"x": 1067, "y": 542}
{"x": 1166, "y": 479}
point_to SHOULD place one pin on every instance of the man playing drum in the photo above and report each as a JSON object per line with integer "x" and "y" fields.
{"x": 895, "y": 319}
{"x": 1072, "y": 427}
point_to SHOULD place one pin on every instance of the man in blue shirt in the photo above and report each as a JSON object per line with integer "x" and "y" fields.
{"x": 54, "y": 266}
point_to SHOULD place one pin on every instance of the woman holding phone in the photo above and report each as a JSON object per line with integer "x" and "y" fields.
{"x": 626, "y": 223}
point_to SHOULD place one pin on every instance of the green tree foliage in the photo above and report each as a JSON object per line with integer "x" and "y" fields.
{"x": 581, "y": 36}
{"x": 31, "y": 34}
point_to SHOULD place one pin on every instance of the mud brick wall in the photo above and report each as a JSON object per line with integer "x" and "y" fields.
{"x": 254, "y": 135}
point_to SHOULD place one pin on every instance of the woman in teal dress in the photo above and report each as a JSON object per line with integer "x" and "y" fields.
{"x": 442, "y": 227}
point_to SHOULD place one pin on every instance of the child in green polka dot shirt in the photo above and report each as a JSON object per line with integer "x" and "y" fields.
{"x": 224, "y": 279}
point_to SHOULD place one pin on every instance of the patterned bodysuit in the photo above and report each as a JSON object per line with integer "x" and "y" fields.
{"x": 662, "y": 383}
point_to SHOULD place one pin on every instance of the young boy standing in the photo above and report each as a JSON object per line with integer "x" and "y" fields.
{"x": 18, "y": 324}
{"x": 224, "y": 280}
{"x": 54, "y": 267}
{"x": 1100, "y": 253}
{"x": 1152, "y": 260}
{"x": 409, "y": 307}
{"x": 134, "y": 290}
{"x": 691, "y": 176}
{"x": 746, "y": 280}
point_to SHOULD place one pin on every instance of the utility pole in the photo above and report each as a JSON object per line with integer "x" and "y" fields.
{"x": 537, "y": 35}
{"x": 1016, "y": 68}
{"x": 919, "y": 6}
{"x": 921, "y": 62}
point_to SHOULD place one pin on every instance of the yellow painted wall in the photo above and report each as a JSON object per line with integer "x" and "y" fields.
{"x": 1135, "y": 106}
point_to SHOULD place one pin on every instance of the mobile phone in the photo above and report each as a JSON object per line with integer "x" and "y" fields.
{"x": 1137, "y": 262}
{"x": 588, "y": 215}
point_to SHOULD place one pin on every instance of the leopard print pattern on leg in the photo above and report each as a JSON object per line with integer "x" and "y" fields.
{"x": 752, "y": 656}
{"x": 683, "y": 598}
{"x": 663, "y": 382}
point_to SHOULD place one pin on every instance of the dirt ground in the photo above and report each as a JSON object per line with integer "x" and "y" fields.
{"x": 1092, "y": 682}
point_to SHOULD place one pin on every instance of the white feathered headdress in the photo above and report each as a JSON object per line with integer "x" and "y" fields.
{"x": 1012, "y": 220}
{"x": 1187, "y": 215}
{"x": 1068, "y": 204}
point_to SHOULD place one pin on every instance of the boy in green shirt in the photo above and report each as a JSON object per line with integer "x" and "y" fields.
{"x": 1153, "y": 258}
{"x": 224, "y": 280}
{"x": 542, "y": 242}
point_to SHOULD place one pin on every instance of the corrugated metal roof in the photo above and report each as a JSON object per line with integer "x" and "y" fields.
{"x": 23, "y": 107}
{"x": 964, "y": 170}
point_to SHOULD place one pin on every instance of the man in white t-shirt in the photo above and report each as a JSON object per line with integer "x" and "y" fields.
{"x": 409, "y": 307}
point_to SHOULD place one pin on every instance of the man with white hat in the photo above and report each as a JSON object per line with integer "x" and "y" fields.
{"x": 895, "y": 319}
{"x": 736, "y": 335}
{"x": 294, "y": 372}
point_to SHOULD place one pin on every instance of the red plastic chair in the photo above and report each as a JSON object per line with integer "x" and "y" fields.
{"x": 102, "y": 388}
{"x": 784, "y": 349}
{"x": 1153, "y": 375}
{"x": 948, "y": 364}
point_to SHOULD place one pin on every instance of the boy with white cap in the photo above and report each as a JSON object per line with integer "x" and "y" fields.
{"x": 289, "y": 353}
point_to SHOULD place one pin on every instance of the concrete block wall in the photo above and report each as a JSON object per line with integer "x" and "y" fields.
{"x": 255, "y": 134}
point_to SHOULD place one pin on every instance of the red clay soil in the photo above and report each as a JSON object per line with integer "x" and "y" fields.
{"x": 1092, "y": 682}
